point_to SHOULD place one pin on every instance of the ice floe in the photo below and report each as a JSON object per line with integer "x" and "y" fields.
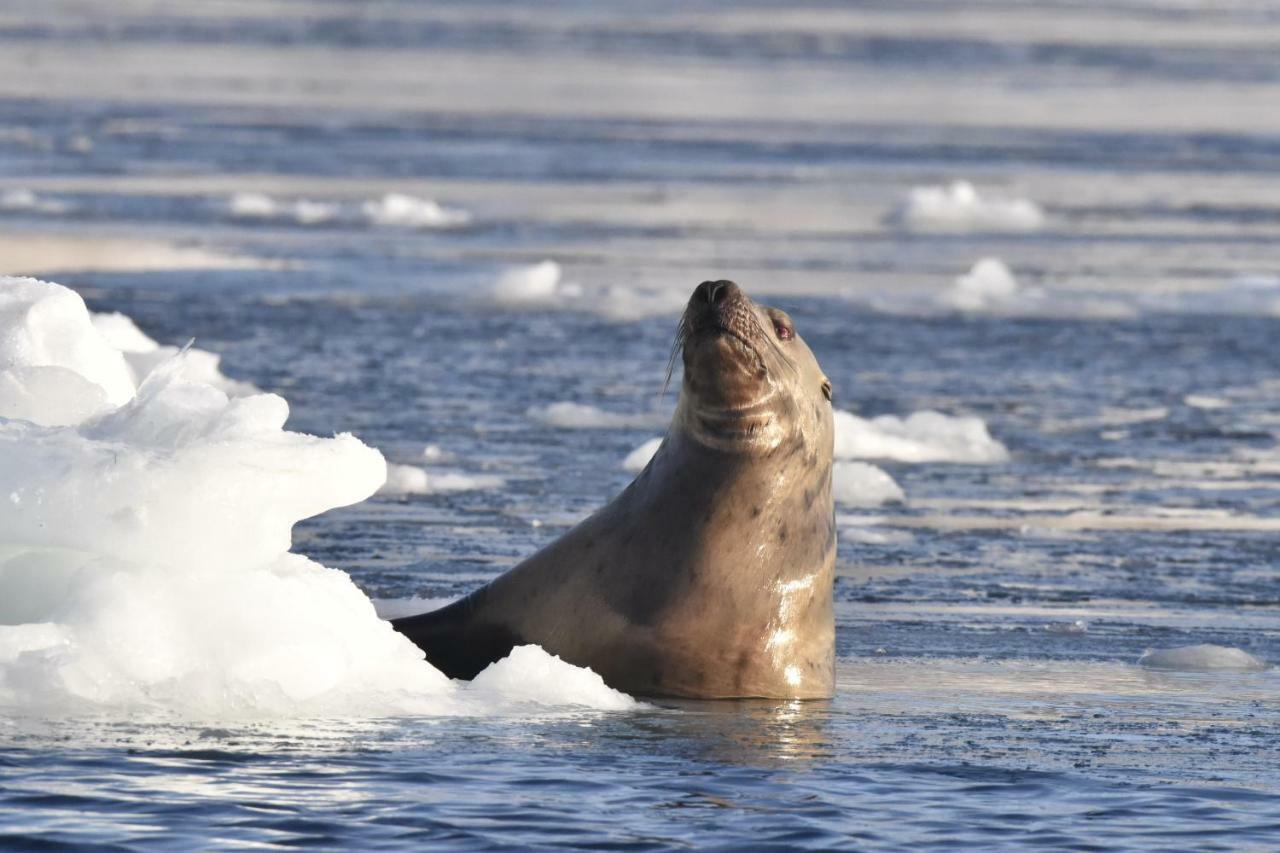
{"x": 144, "y": 548}
{"x": 394, "y": 210}
{"x": 412, "y": 480}
{"x": 925, "y": 436}
{"x": 26, "y": 200}
{"x": 959, "y": 206}
{"x": 638, "y": 458}
{"x": 860, "y": 484}
{"x": 542, "y": 286}
{"x": 988, "y": 285}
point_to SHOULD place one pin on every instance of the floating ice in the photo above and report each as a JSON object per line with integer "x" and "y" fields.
{"x": 926, "y": 436}
{"x": 1205, "y": 657}
{"x": 253, "y": 205}
{"x": 412, "y": 480}
{"x": 1078, "y": 626}
{"x": 581, "y": 416}
{"x": 144, "y": 355}
{"x": 542, "y": 286}
{"x": 987, "y": 285}
{"x": 144, "y": 549}
{"x": 540, "y": 282}
{"x": 24, "y": 199}
{"x": 958, "y": 206}
{"x": 529, "y": 674}
{"x": 860, "y": 484}
{"x": 638, "y": 458}
{"x": 1206, "y": 401}
{"x": 406, "y": 211}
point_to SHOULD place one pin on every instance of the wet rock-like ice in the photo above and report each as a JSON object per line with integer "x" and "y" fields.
{"x": 959, "y": 206}
{"x": 860, "y": 484}
{"x": 412, "y": 480}
{"x": 144, "y": 546}
{"x": 1205, "y": 657}
{"x": 926, "y": 436}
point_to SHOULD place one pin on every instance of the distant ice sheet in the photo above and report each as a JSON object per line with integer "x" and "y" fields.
{"x": 144, "y": 546}
{"x": 958, "y": 206}
{"x": 926, "y": 436}
{"x": 1202, "y": 658}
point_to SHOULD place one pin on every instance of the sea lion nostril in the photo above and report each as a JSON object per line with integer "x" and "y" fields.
{"x": 716, "y": 291}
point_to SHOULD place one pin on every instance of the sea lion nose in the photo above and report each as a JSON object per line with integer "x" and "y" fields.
{"x": 714, "y": 292}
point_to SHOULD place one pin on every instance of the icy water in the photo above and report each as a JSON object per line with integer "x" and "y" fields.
{"x": 988, "y": 627}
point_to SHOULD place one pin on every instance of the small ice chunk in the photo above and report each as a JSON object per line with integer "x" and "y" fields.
{"x": 860, "y": 484}
{"x": 988, "y": 284}
{"x": 412, "y": 480}
{"x": 1079, "y": 626}
{"x": 1205, "y": 657}
{"x": 582, "y": 416}
{"x": 926, "y": 436}
{"x": 538, "y": 283}
{"x": 406, "y": 211}
{"x": 531, "y": 675}
{"x": 637, "y": 459}
{"x": 959, "y": 206}
{"x": 25, "y": 199}
{"x": 1205, "y": 401}
{"x": 253, "y": 206}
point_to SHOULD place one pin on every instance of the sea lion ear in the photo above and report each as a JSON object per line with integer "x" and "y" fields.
{"x": 826, "y": 389}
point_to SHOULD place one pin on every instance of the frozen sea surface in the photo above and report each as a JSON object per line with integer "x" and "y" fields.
{"x": 989, "y": 625}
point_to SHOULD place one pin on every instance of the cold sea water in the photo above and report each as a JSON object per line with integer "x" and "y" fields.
{"x": 256, "y": 176}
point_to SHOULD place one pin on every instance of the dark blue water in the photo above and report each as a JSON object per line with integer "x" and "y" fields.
{"x": 972, "y": 711}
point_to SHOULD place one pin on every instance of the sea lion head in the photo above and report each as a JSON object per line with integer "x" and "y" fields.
{"x": 751, "y": 384}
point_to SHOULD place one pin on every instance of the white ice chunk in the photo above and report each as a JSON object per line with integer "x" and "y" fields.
{"x": 582, "y": 416}
{"x": 860, "y": 484}
{"x": 988, "y": 284}
{"x": 1201, "y": 658}
{"x": 412, "y": 480}
{"x": 25, "y": 199}
{"x": 542, "y": 286}
{"x": 531, "y": 675}
{"x": 638, "y": 458}
{"x": 926, "y": 436}
{"x": 255, "y": 205}
{"x": 958, "y": 206}
{"x": 406, "y": 211}
{"x": 44, "y": 325}
{"x": 144, "y": 559}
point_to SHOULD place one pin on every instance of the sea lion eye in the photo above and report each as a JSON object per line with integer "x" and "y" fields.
{"x": 783, "y": 331}
{"x": 826, "y": 390}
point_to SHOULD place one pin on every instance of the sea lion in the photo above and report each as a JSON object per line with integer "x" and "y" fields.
{"x": 710, "y": 575}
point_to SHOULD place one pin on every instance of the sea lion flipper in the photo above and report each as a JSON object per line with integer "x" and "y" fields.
{"x": 457, "y": 639}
